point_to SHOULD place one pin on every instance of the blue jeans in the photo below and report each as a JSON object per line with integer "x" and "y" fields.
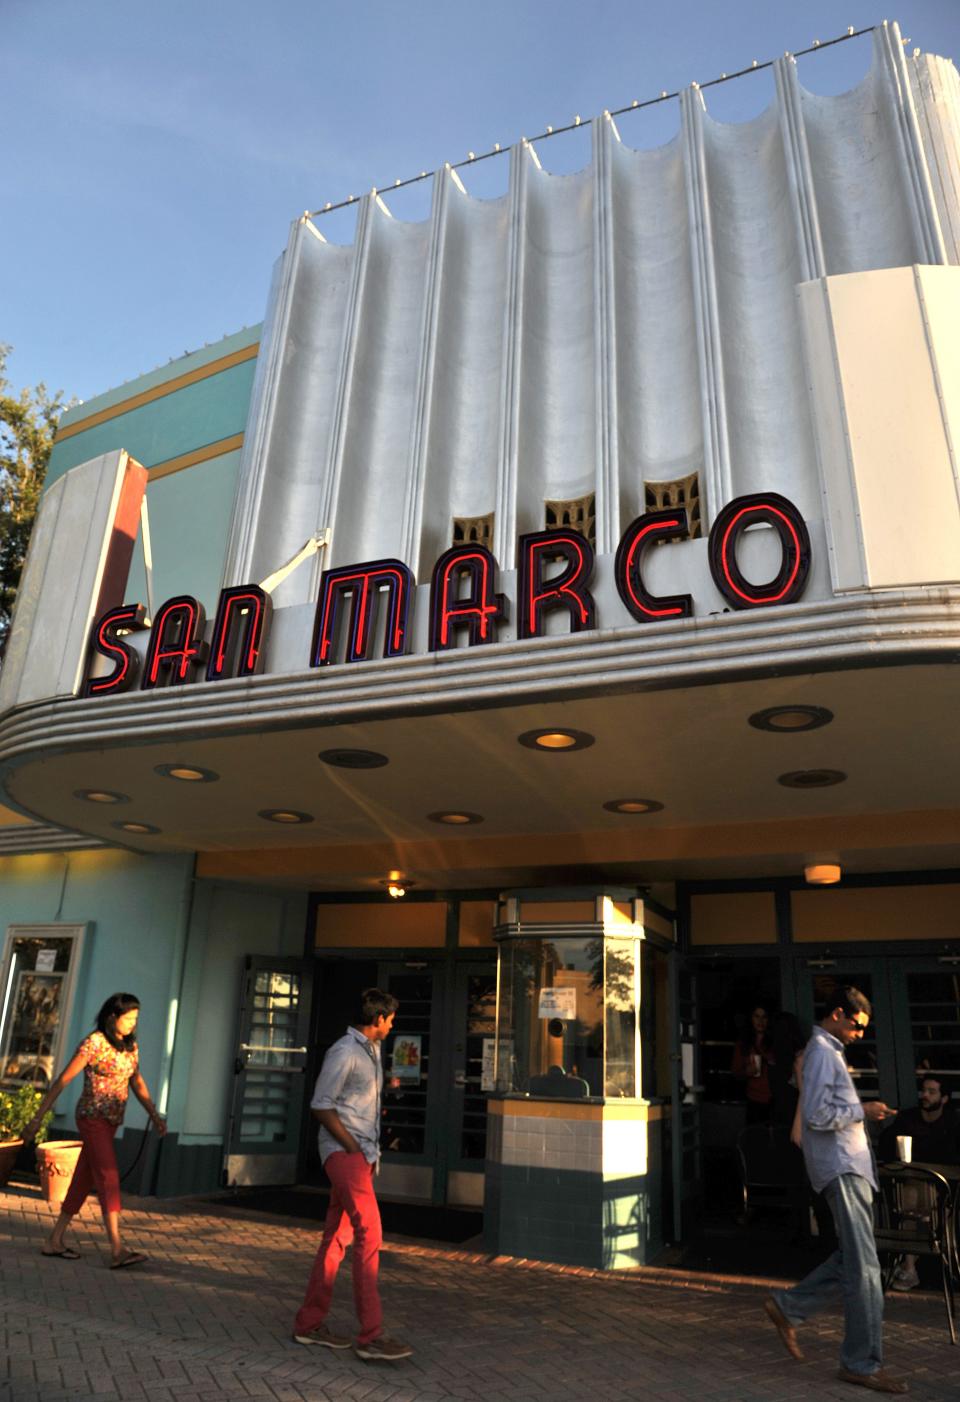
{"x": 853, "y": 1271}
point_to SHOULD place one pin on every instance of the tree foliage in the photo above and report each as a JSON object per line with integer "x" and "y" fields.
{"x": 27, "y": 424}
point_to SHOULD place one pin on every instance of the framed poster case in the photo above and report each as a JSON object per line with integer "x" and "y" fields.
{"x": 38, "y": 975}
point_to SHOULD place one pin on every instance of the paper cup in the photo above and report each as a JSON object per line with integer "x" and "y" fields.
{"x": 904, "y": 1147}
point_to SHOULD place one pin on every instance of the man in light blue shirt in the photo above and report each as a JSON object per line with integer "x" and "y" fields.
{"x": 346, "y": 1103}
{"x": 840, "y": 1165}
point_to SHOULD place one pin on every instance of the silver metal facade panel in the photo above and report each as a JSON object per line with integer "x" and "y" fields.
{"x": 632, "y": 322}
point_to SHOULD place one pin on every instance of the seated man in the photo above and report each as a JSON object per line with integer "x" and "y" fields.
{"x": 934, "y": 1128}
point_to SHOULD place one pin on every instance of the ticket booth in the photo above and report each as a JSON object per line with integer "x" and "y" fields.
{"x": 578, "y": 1156}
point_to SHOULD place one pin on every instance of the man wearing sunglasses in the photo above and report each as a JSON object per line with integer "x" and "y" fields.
{"x": 841, "y": 1166}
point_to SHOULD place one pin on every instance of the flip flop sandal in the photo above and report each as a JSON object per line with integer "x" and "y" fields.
{"x": 132, "y": 1258}
{"x": 67, "y": 1254}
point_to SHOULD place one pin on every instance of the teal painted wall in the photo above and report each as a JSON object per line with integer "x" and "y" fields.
{"x": 181, "y": 422}
{"x": 132, "y": 904}
{"x": 189, "y": 516}
{"x": 137, "y": 909}
{"x": 228, "y": 922}
{"x": 176, "y": 423}
{"x": 189, "y": 510}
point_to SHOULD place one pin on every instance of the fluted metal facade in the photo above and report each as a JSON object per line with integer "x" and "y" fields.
{"x": 586, "y": 333}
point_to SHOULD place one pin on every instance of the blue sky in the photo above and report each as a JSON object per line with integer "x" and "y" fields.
{"x": 155, "y": 153}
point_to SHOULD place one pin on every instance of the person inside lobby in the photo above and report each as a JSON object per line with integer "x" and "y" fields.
{"x": 933, "y": 1127}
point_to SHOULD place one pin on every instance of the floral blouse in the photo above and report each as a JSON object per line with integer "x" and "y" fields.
{"x": 106, "y": 1079}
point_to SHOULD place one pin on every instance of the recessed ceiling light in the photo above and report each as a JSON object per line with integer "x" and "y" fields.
{"x": 187, "y": 773}
{"x": 141, "y": 829}
{"x": 812, "y": 778}
{"x": 100, "y": 796}
{"x": 354, "y": 759}
{"x": 455, "y": 819}
{"x": 791, "y": 718}
{"x": 284, "y": 815}
{"x": 556, "y": 741}
{"x": 633, "y": 805}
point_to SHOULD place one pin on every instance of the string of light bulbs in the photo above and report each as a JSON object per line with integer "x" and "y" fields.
{"x": 635, "y": 106}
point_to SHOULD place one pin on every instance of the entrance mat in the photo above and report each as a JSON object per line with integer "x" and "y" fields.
{"x": 414, "y": 1219}
{"x": 755, "y": 1249}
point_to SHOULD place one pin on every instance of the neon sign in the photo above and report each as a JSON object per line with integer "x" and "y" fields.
{"x": 554, "y": 571}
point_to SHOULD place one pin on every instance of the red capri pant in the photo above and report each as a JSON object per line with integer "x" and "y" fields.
{"x": 96, "y": 1168}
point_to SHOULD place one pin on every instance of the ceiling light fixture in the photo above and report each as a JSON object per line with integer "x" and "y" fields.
{"x": 284, "y": 815}
{"x": 822, "y": 874}
{"x": 141, "y": 829}
{"x": 100, "y": 796}
{"x": 556, "y": 741}
{"x": 187, "y": 773}
{"x": 353, "y": 759}
{"x": 397, "y": 884}
{"x": 787, "y": 719}
{"x": 455, "y": 819}
{"x": 633, "y": 805}
{"x": 812, "y": 778}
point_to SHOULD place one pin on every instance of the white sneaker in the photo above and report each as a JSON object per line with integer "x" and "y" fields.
{"x": 905, "y": 1279}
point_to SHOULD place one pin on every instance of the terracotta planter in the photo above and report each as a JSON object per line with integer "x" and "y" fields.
{"x": 56, "y": 1162}
{"x": 9, "y": 1150}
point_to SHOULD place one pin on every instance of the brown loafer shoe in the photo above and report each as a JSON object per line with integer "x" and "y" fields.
{"x": 877, "y": 1382}
{"x": 788, "y": 1334}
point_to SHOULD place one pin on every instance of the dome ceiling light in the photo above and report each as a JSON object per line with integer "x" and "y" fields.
{"x": 633, "y": 805}
{"x": 788, "y": 719}
{"x": 186, "y": 773}
{"x": 556, "y": 741}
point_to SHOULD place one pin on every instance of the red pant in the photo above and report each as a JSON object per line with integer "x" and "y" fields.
{"x": 96, "y": 1167}
{"x": 353, "y": 1216}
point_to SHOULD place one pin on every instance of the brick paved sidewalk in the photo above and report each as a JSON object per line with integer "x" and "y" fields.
{"x": 208, "y": 1318}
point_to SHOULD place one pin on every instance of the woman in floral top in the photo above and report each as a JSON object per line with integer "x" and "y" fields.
{"x": 109, "y": 1061}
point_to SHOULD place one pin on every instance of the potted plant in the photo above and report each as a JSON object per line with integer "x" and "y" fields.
{"x": 17, "y": 1109}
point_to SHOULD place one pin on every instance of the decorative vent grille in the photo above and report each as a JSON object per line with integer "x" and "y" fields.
{"x": 473, "y": 530}
{"x": 685, "y": 491}
{"x": 579, "y": 515}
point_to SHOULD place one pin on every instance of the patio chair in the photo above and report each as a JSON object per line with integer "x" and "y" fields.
{"x": 914, "y": 1218}
{"x": 773, "y": 1175}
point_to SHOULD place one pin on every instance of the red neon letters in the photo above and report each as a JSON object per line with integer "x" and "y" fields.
{"x": 105, "y": 643}
{"x": 479, "y": 611}
{"x": 640, "y": 603}
{"x": 554, "y": 569}
{"x": 176, "y": 642}
{"x": 568, "y": 590}
{"x": 790, "y": 580}
{"x": 251, "y": 608}
{"x": 363, "y": 584}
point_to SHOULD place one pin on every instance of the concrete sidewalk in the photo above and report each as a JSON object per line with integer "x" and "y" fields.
{"x": 209, "y": 1317}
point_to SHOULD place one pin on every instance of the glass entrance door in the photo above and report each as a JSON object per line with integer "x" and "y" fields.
{"x": 685, "y": 1127}
{"x": 474, "y": 1029}
{"x": 266, "y": 1106}
{"x": 926, "y": 996}
{"x": 872, "y": 1061}
{"x": 435, "y": 1095}
{"x": 412, "y": 1062}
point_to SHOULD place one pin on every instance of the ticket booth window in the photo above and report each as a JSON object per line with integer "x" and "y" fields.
{"x": 568, "y": 1022}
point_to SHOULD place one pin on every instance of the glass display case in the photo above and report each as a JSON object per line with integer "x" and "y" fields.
{"x": 569, "y": 1004}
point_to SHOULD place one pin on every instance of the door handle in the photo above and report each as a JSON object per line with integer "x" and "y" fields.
{"x": 459, "y": 1079}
